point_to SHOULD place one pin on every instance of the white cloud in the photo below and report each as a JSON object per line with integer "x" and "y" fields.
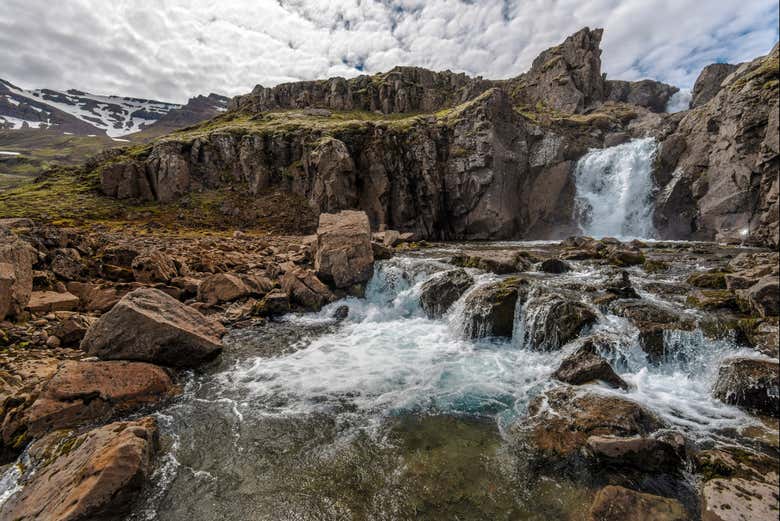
{"x": 172, "y": 49}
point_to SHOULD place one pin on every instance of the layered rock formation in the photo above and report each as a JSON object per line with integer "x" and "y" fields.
{"x": 719, "y": 167}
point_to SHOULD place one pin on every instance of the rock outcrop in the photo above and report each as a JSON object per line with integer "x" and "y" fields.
{"x": 95, "y": 475}
{"x": 709, "y": 81}
{"x": 750, "y": 383}
{"x": 586, "y": 365}
{"x": 650, "y": 94}
{"x": 490, "y": 309}
{"x": 438, "y": 294}
{"x": 718, "y": 168}
{"x": 149, "y": 326}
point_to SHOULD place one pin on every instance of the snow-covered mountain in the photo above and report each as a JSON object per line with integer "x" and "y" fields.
{"x": 82, "y": 113}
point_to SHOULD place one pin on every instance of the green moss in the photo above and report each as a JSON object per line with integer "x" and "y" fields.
{"x": 655, "y": 266}
{"x": 708, "y": 280}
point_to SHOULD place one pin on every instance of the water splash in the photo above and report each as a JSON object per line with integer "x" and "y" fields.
{"x": 614, "y": 188}
{"x": 680, "y": 100}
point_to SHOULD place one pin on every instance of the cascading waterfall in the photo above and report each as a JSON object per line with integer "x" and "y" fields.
{"x": 614, "y": 188}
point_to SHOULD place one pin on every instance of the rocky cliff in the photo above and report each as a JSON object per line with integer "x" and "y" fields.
{"x": 451, "y": 157}
{"x": 718, "y": 168}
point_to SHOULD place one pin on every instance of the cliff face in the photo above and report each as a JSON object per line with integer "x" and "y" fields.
{"x": 719, "y": 167}
{"x": 452, "y": 157}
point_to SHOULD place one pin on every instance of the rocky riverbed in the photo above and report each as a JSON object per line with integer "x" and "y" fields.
{"x": 351, "y": 375}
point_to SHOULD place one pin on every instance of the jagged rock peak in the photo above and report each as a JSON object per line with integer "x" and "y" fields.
{"x": 709, "y": 82}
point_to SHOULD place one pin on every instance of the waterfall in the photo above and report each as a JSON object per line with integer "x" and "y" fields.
{"x": 614, "y": 188}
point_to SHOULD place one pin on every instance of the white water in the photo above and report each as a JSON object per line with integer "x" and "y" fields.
{"x": 614, "y": 188}
{"x": 680, "y": 100}
{"x": 388, "y": 358}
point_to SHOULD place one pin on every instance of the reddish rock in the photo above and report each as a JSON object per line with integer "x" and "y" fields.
{"x": 614, "y": 503}
{"x": 344, "y": 254}
{"x": 20, "y": 256}
{"x": 306, "y": 289}
{"x": 92, "y": 476}
{"x": 47, "y": 301}
{"x": 154, "y": 266}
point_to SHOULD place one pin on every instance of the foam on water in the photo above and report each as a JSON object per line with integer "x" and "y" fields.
{"x": 614, "y": 189}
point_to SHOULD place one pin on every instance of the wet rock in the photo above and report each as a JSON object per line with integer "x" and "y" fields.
{"x": 663, "y": 452}
{"x": 381, "y": 252}
{"x": 620, "y": 286}
{"x": 73, "y": 328}
{"x": 46, "y": 301}
{"x": 154, "y": 266}
{"x": 750, "y": 383}
{"x": 709, "y": 279}
{"x": 553, "y": 320}
{"x": 341, "y": 313}
{"x": 88, "y": 392}
{"x": 66, "y": 263}
{"x": 764, "y": 296}
{"x": 273, "y": 304}
{"x": 586, "y": 365}
{"x": 305, "y": 289}
{"x": 613, "y": 503}
{"x": 443, "y": 290}
{"x": 560, "y": 421}
{"x": 490, "y": 309}
{"x": 713, "y": 299}
{"x": 554, "y": 266}
{"x": 344, "y": 254}
{"x": 623, "y": 257}
{"x": 95, "y": 475}
{"x": 148, "y": 325}
{"x": 18, "y": 257}
{"x": 500, "y": 262}
{"x": 653, "y": 323}
{"x": 739, "y": 499}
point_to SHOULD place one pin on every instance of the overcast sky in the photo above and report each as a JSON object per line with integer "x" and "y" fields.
{"x": 173, "y": 49}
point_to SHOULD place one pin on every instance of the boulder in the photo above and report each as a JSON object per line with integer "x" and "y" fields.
{"x": 66, "y": 263}
{"x": 614, "y": 503}
{"x": 561, "y": 421}
{"x": 623, "y": 257}
{"x": 554, "y": 266}
{"x": 99, "y": 297}
{"x": 764, "y": 296}
{"x": 664, "y": 452}
{"x": 47, "y": 301}
{"x": 154, "y": 266}
{"x": 490, "y": 309}
{"x": 20, "y": 256}
{"x": 500, "y": 262}
{"x": 7, "y": 281}
{"x": 344, "y": 256}
{"x": 713, "y": 279}
{"x": 222, "y": 287}
{"x": 88, "y": 392}
{"x": 95, "y": 475}
{"x": 750, "y": 383}
{"x": 73, "y": 328}
{"x": 586, "y": 365}
{"x": 443, "y": 290}
{"x": 739, "y": 499}
{"x": 305, "y": 289}
{"x": 552, "y": 320}
{"x": 149, "y": 326}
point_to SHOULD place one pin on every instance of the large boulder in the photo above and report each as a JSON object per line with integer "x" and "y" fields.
{"x": 552, "y": 320}
{"x": 614, "y": 503}
{"x": 764, "y": 296}
{"x": 750, "y": 383}
{"x": 490, "y": 309}
{"x": 443, "y": 290}
{"x": 561, "y": 421}
{"x": 149, "y": 326}
{"x": 344, "y": 256}
{"x": 18, "y": 258}
{"x": 92, "y": 476}
{"x": 79, "y": 393}
{"x": 586, "y": 365}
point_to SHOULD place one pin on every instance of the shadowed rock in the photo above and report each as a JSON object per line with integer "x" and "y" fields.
{"x": 750, "y": 383}
{"x": 586, "y": 365}
{"x": 443, "y": 290}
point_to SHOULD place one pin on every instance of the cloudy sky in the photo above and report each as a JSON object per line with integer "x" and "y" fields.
{"x": 173, "y": 49}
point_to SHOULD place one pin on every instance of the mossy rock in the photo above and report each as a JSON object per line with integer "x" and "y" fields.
{"x": 708, "y": 280}
{"x": 655, "y": 266}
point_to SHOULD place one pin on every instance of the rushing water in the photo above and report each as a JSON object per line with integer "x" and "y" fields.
{"x": 390, "y": 415}
{"x": 614, "y": 189}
